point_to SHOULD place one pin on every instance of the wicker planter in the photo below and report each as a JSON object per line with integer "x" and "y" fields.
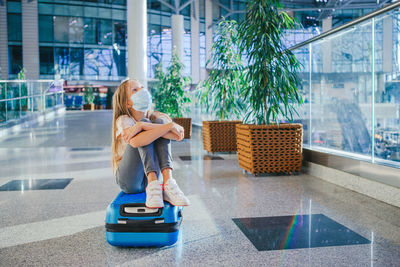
{"x": 186, "y": 123}
{"x": 88, "y": 106}
{"x": 269, "y": 148}
{"x": 219, "y": 136}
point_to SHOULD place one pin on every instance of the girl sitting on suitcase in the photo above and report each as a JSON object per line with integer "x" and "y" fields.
{"x": 149, "y": 135}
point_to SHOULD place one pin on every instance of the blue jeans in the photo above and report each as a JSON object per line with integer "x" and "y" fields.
{"x": 137, "y": 162}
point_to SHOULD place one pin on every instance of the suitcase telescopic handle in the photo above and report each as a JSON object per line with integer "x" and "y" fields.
{"x": 139, "y": 210}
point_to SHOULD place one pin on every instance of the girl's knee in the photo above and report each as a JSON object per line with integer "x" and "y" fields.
{"x": 160, "y": 121}
{"x": 145, "y": 120}
{"x": 133, "y": 188}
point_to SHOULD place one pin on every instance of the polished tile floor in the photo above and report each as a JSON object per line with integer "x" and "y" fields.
{"x": 65, "y": 227}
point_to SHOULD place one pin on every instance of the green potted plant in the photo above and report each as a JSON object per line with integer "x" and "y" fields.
{"x": 88, "y": 93}
{"x": 220, "y": 92}
{"x": 170, "y": 95}
{"x": 268, "y": 146}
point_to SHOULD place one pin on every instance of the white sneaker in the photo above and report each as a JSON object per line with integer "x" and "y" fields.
{"x": 173, "y": 194}
{"x": 154, "y": 197}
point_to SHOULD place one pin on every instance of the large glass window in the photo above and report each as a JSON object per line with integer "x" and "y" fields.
{"x": 61, "y": 29}
{"x": 104, "y": 32}
{"x": 46, "y": 28}
{"x": 46, "y": 55}
{"x": 76, "y": 65}
{"x": 102, "y": 64}
{"x": 119, "y": 32}
{"x": 91, "y": 68}
{"x": 105, "y": 63}
{"x": 61, "y": 60}
{"x": 75, "y": 30}
{"x": 100, "y": 31}
{"x": 119, "y": 59}
{"x": 14, "y": 58}
{"x": 90, "y": 31}
{"x": 14, "y": 27}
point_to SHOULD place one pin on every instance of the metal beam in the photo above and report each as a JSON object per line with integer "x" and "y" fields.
{"x": 331, "y": 4}
{"x": 185, "y": 4}
{"x": 330, "y": 8}
{"x": 221, "y": 5}
{"x": 347, "y": 25}
{"x": 227, "y": 15}
{"x": 167, "y": 4}
{"x": 177, "y": 8}
{"x": 347, "y": 3}
{"x": 297, "y": 3}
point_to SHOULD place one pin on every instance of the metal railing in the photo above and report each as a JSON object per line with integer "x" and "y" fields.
{"x": 23, "y": 98}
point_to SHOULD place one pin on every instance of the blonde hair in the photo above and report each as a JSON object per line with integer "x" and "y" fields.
{"x": 120, "y": 108}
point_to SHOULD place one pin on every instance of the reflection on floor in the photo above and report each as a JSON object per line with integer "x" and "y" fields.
{"x": 205, "y": 157}
{"x": 66, "y": 227}
{"x": 297, "y": 231}
{"x": 35, "y": 184}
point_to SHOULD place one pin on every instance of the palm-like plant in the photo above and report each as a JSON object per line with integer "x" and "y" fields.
{"x": 221, "y": 91}
{"x": 271, "y": 76}
{"x": 89, "y": 95}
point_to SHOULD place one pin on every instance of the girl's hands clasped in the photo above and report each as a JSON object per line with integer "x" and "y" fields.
{"x": 175, "y": 129}
{"x": 178, "y": 131}
{"x": 130, "y": 132}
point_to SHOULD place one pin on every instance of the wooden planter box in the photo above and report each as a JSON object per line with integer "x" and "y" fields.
{"x": 269, "y": 148}
{"x": 99, "y": 106}
{"x": 186, "y": 123}
{"x": 88, "y": 106}
{"x": 219, "y": 136}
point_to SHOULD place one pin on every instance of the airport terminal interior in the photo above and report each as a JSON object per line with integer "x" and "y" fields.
{"x": 335, "y": 203}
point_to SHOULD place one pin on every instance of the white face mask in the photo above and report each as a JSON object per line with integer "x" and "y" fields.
{"x": 141, "y": 100}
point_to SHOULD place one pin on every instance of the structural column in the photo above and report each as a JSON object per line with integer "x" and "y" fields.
{"x": 137, "y": 40}
{"x": 209, "y": 31}
{"x": 3, "y": 41}
{"x": 177, "y": 34}
{"x": 195, "y": 41}
{"x": 30, "y": 39}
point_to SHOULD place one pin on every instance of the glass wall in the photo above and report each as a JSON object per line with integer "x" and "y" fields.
{"x": 386, "y": 106}
{"x": 159, "y": 42}
{"x": 87, "y": 40}
{"x": 19, "y": 98}
{"x": 82, "y": 40}
{"x": 352, "y": 93}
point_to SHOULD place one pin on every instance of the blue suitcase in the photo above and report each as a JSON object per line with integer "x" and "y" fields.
{"x": 130, "y": 224}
